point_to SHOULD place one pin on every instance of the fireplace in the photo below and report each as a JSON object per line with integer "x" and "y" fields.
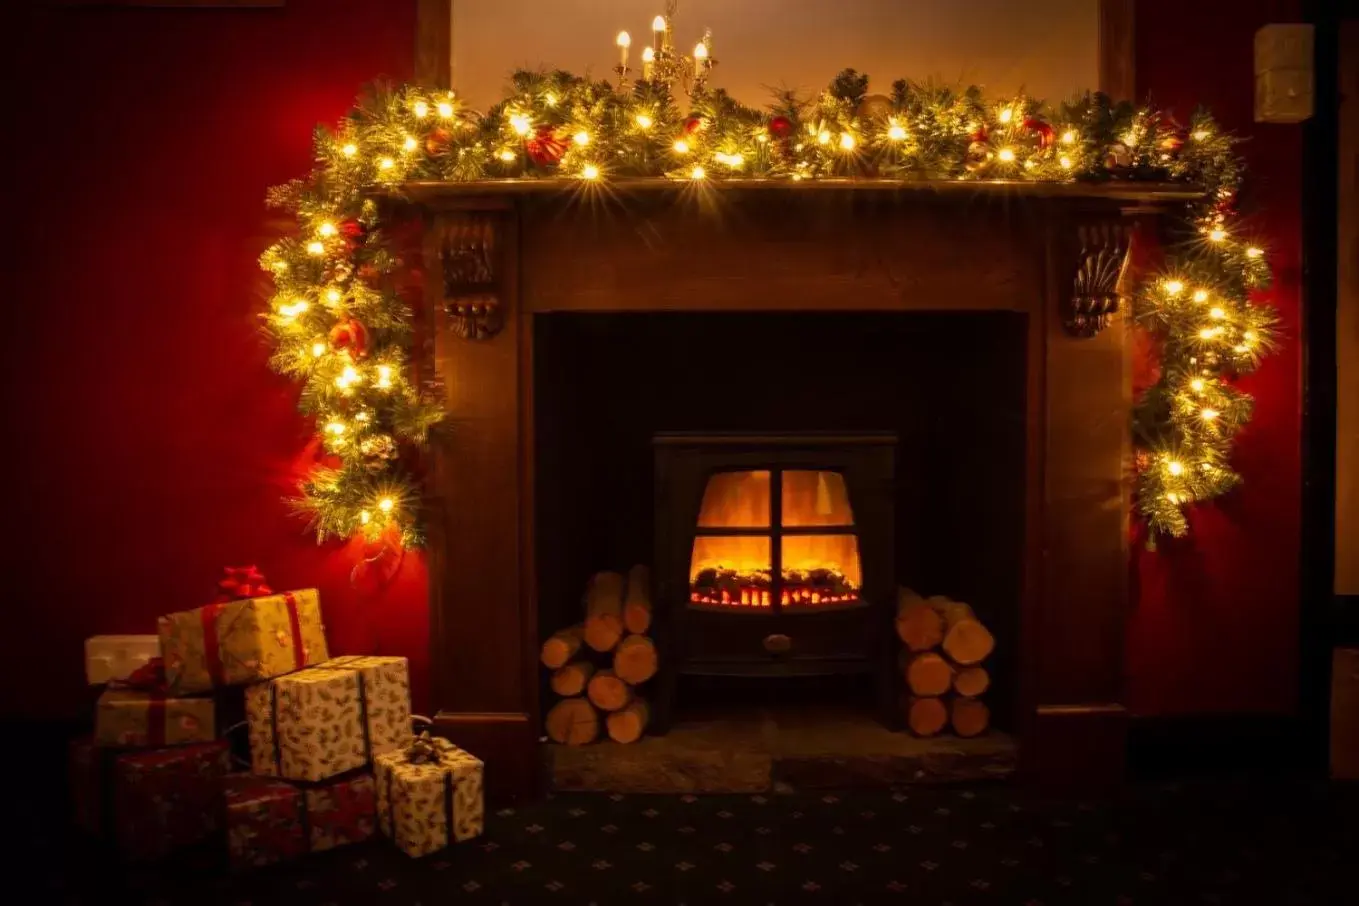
{"x": 774, "y": 556}
{"x": 557, "y": 313}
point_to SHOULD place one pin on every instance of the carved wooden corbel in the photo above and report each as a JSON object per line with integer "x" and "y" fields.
{"x": 470, "y": 255}
{"x": 1101, "y": 260}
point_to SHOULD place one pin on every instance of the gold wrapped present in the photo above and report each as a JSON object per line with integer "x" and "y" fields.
{"x": 245, "y": 641}
{"x": 330, "y": 718}
{"x": 429, "y": 795}
{"x": 127, "y": 717}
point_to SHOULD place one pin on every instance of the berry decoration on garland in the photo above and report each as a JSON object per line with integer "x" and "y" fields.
{"x": 340, "y": 326}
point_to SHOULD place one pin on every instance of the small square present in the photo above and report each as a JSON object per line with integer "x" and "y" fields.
{"x": 150, "y": 802}
{"x": 429, "y": 795}
{"x": 269, "y": 820}
{"x": 330, "y": 718}
{"x": 128, "y": 717}
{"x": 236, "y": 642}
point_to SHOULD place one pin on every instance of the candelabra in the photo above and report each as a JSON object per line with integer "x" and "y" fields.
{"x": 661, "y": 62}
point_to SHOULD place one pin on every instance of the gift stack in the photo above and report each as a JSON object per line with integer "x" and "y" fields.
{"x": 156, "y": 776}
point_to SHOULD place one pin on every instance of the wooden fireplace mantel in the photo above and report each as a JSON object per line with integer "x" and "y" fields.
{"x": 498, "y": 254}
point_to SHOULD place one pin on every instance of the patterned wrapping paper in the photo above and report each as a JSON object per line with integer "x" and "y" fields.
{"x": 416, "y": 803}
{"x": 125, "y": 717}
{"x": 330, "y": 718}
{"x": 149, "y": 802}
{"x": 238, "y": 642}
{"x": 270, "y": 820}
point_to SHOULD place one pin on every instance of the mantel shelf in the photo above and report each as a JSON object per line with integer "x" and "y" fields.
{"x": 1122, "y": 192}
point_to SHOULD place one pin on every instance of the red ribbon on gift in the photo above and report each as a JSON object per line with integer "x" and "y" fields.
{"x": 242, "y": 582}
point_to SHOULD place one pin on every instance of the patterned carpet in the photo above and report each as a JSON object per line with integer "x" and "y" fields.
{"x": 1223, "y": 843}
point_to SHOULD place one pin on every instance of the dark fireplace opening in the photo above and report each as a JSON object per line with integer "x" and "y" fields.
{"x": 947, "y": 389}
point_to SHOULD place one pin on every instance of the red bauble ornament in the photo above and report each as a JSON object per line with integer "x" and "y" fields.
{"x": 437, "y": 139}
{"x": 979, "y": 134}
{"x": 780, "y": 127}
{"x": 1044, "y": 131}
{"x": 692, "y": 124}
{"x": 545, "y": 148}
{"x": 350, "y": 336}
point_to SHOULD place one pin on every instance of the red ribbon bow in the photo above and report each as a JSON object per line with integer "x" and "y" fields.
{"x": 242, "y": 582}
{"x": 149, "y": 677}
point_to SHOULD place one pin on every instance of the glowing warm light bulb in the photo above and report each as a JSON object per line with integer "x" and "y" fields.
{"x": 1006, "y": 114}
{"x": 1174, "y": 468}
{"x": 333, "y": 296}
{"x": 315, "y": 248}
{"x": 847, "y": 142}
{"x": 386, "y": 163}
{"x": 896, "y": 132}
{"x": 1065, "y": 162}
{"x": 700, "y": 52}
{"x": 697, "y": 173}
{"x": 318, "y": 349}
{"x": 623, "y": 40}
{"x": 410, "y": 144}
{"x": 1199, "y": 135}
{"x": 1209, "y": 414}
{"x": 644, "y": 121}
{"x": 658, "y": 23}
{"x": 365, "y": 517}
{"x": 1174, "y": 287}
{"x": 681, "y": 146}
{"x": 1217, "y": 234}
{"x": 1218, "y": 313}
{"x": 520, "y": 123}
{"x": 1240, "y": 348}
{"x": 327, "y": 229}
{"x": 445, "y": 109}
{"x": 1200, "y": 295}
{"x": 421, "y": 110}
{"x": 1207, "y": 333}
{"x": 384, "y": 376}
{"x": 1069, "y": 137}
{"x": 823, "y": 137}
{"x": 1248, "y": 336}
{"x": 1254, "y": 252}
{"x": 350, "y": 149}
{"x": 1173, "y": 498}
{"x": 581, "y": 138}
{"x": 1196, "y": 385}
{"x": 386, "y": 504}
{"x": 350, "y": 374}
{"x": 550, "y": 99}
{"x": 336, "y": 428}
{"x": 589, "y": 171}
{"x": 507, "y": 155}
{"x": 1006, "y": 155}
{"x": 361, "y": 417}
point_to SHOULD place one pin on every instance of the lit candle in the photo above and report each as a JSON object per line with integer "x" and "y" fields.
{"x": 659, "y": 32}
{"x": 648, "y": 63}
{"x": 624, "y": 41}
{"x": 700, "y": 55}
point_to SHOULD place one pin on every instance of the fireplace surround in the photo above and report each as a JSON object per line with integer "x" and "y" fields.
{"x": 503, "y": 256}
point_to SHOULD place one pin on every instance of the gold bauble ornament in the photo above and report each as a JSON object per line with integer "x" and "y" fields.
{"x": 875, "y": 107}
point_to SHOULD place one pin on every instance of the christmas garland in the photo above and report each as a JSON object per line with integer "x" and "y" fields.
{"x": 341, "y": 328}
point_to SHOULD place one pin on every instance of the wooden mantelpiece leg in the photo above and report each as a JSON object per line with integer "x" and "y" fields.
{"x": 1075, "y": 725}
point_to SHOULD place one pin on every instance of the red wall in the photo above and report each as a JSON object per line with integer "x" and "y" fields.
{"x": 149, "y": 445}
{"x": 153, "y": 445}
{"x": 1215, "y": 624}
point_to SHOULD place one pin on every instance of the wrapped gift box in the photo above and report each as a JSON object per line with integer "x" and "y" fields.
{"x": 269, "y": 820}
{"x": 126, "y": 717}
{"x": 330, "y": 718}
{"x": 150, "y": 802}
{"x": 245, "y": 641}
{"x": 109, "y": 658}
{"x": 428, "y": 801}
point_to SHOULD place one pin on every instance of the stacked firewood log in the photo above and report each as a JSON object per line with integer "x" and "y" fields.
{"x": 598, "y": 664}
{"x": 943, "y": 646}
